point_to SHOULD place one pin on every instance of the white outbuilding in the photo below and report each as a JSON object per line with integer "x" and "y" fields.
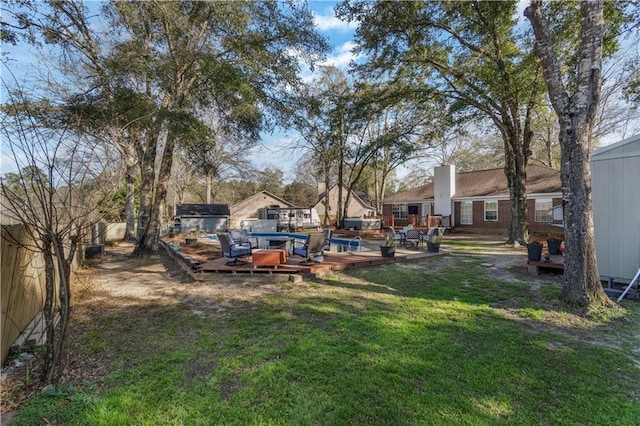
{"x": 615, "y": 180}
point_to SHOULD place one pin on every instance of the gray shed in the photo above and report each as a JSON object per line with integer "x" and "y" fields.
{"x": 203, "y": 217}
{"x": 615, "y": 181}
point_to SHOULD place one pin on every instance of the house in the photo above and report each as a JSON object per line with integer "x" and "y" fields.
{"x": 615, "y": 182}
{"x": 203, "y": 217}
{"x": 248, "y": 208}
{"x": 478, "y": 200}
{"x": 359, "y": 205}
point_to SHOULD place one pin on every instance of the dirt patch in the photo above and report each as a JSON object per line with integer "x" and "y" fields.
{"x": 200, "y": 251}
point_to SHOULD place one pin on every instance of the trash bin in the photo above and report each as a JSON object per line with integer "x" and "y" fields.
{"x": 534, "y": 251}
{"x": 554, "y": 245}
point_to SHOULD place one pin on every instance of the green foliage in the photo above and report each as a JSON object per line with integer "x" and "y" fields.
{"x": 300, "y": 194}
{"x": 470, "y": 56}
{"x": 564, "y": 26}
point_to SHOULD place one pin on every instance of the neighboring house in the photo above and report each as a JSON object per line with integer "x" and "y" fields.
{"x": 615, "y": 182}
{"x": 478, "y": 200}
{"x": 203, "y": 217}
{"x": 359, "y": 205}
{"x": 248, "y": 208}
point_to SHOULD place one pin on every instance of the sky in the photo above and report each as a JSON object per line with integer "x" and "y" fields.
{"x": 275, "y": 150}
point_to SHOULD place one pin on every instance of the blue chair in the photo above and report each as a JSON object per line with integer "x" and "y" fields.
{"x": 312, "y": 247}
{"x": 327, "y": 239}
{"x": 233, "y": 250}
{"x": 242, "y": 237}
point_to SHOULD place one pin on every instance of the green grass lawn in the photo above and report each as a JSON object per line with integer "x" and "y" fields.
{"x": 428, "y": 342}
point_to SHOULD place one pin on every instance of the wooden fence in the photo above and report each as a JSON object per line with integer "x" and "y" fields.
{"x": 22, "y": 284}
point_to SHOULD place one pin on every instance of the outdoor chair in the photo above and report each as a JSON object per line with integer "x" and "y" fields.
{"x": 242, "y": 237}
{"x": 233, "y": 250}
{"x": 432, "y": 237}
{"x": 396, "y": 235}
{"x": 311, "y": 248}
{"x": 413, "y": 236}
{"x": 327, "y": 239}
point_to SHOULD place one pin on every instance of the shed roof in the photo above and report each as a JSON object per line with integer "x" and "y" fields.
{"x": 202, "y": 210}
{"x": 487, "y": 183}
{"x": 628, "y": 147}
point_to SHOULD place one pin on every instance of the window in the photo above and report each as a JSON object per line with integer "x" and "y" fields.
{"x": 466, "y": 212}
{"x": 399, "y": 211}
{"x": 543, "y": 211}
{"x": 412, "y": 210}
{"x": 491, "y": 211}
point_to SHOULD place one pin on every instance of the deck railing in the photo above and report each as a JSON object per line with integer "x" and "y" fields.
{"x": 416, "y": 221}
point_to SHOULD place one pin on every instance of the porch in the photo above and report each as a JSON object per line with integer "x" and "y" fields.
{"x": 417, "y": 221}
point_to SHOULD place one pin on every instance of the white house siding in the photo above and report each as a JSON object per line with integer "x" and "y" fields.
{"x": 615, "y": 179}
{"x": 206, "y": 224}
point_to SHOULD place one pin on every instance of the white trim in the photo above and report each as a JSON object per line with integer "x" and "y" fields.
{"x": 546, "y": 210}
{"x": 544, "y": 195}
{"x": 506, "y": 197}
{"x": 484, "y": 207}
{"x": 482, "y": 198}
{"x": 462, "y": 221}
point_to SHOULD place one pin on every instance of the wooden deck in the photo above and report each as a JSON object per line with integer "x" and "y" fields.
{"x": 331, "y": 262}
{"x": 554, "y": 262}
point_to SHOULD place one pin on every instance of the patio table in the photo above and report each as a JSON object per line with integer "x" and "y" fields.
{"x": 282, "y": 243}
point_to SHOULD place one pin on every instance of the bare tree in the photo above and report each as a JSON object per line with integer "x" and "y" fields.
{"x": 62, "y": 185}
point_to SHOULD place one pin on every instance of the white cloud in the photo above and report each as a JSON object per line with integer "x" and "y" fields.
{"x": 331, "y": 23}
{"x": 343, "y": 55}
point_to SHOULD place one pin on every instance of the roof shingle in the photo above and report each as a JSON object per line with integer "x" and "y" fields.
{"x": 487, "y": 183}
{"x": 202, "y": 210}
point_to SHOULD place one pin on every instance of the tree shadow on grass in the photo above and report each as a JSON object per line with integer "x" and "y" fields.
{"x": 336, "y": 357}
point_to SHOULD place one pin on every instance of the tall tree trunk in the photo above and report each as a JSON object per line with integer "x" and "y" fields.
{"x": 147, "y": 172}
{"x": 64, "y": 296}
{"x": 326, "y": 196}
{"x": 582, "y": 285}
{"x": 49, "y": 313}
{"x": 516, "y": 159}
{"x": 518, "y": 229}
{"x": 148, "y": 242}
{"x": 548, "y": 147}
{"x": 576, "y": 115}
{"x": 131, "y": 173}
{"x": 516, "y": 148}
{"x": 209, "y": 188}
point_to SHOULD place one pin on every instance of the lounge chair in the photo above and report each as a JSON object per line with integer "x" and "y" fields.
{"x": 242, "y": 237}
{"x": 312, "y": 247}
{"x": 396, "y": 235}
{"x": 233, "y": 250}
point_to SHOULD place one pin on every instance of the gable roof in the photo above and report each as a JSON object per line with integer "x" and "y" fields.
{"x": 202, "y": 210}
{"x": 486, "y": 183}
{"x": 359, "y": 196}
{"x": 257, "y": 195}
